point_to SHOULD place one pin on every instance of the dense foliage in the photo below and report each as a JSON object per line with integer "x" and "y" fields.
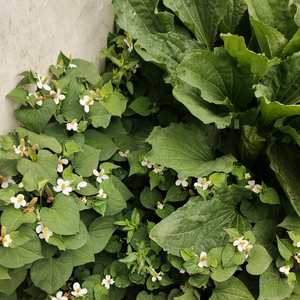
{"x": 174, "y": 174}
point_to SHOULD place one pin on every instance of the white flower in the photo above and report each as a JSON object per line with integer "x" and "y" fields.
{"x": 298, "y": 244}
{"x": 203, "y": 262}
{"x": 6, "y": 240}
{"x": 101, "y": 194}
{"x": 241, "y": 244}
{"x": 247, "y": 250}
{"x": 182, "y": 271}
{"x": 202, "y": 182}
{"x": 158, "y": 169}
{"x": 59, "y": 296}
{"x": 83, "y": 200}
{"x": 57, "y": 96}
{"x": 44, "y": 232}
{"x": 107, "y": 281}
{"x": 73, "y": 125}
{"x": 147, "y": 163}
{"x": 256, "y": 188}
{"x": 72, "y": 66}
{"x": 61, "y": 162}
{"x": 247, "y": 176}
{"x": 77, "y": 290}
{"x": 182, "y": 181}
{"x": 285, "y": 269}
{"x": 6, "y": 180}
{"x": 157, "y": 275}
{"x": 18, "y": 150}
{"x": 86, "y": 102}
{"x": 160, "y": 205}
{"x": 81, "y": 184}
{"x": 124, "y": 154}
{"x": 42, "y": 83}
{"x": 18, "y": 201}
{"x": 100, "y": 175}
{"x": 62, "y": 186}
{"x": 21, "y": 184}
{"x": 134, "y": 68}
{"x": 128, "y": 42}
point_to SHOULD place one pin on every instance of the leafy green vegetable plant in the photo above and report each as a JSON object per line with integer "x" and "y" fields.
{"x": 174, "y": 174}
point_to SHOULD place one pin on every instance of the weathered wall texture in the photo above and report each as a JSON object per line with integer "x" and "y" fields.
{"x": 32, "y": 32}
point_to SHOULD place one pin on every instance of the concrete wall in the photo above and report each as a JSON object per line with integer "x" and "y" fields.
{"x": 32, "y": 32}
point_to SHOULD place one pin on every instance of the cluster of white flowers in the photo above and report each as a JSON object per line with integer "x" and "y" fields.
{"x": 86, "y": 102}
{"x": 19, "y": 150}
{"x": 62, "y": 186}
{"x": 43, "y": 231}
{"x": 202, "y": 182}
{"x": 158, "y": 276}
{"x": 6, "y": 180}
{"x": 134, "y": 68}
{"x": 129, "y": 42}
{"x": 203, "y": 262}
{"x": 18, "y": 201}
{"x": 158, "y": 169}
{"x": 243, "y": 246}
{"x": 256, "y": 188}
{"x": 107, "y": 281}
{"x": 100, "y": 175}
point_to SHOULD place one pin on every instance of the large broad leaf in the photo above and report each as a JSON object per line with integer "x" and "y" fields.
{"x": 51, "y": 273}
{"x": 185, "y": 150}
{"x": 201, "y": 17}
{"x": 293, "y": 45}
{"x": 199, "y": 225}
{"x": 274, "y": 14}
{"x": 218, "y": 77}
{"x": 63, "y": 216}
{"x": 36, "y": 119}
{"x": 283, "y": 158}
{"x": 231, "y": 289}
{"x": 8, "y": 162}
{"x": 286, "y": 125}
{"x": 100, "y": 232}
{"x": 235, "y": 11}
{"x": 258, "y": 63}
{"x": 274, "y": 286}
{"x": 45, "y": 164}
{"x": 42, "y": 140}
{"x": 8, "y": 286}
{"x": 99, "y": 115}
{"x": 85, "y": 70}
{"x": 258, "y": 260}
{"x": 139, "y": 18}
{"x": 24, "y": 254}
{"x": 115, "y": 103}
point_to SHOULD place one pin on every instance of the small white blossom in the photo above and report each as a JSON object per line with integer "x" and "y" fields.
{"x": 285, "y": 269}
{"x": 241, "y": 244}
{"x": 100, "y": 175}
{"x": 101, "y": 194}
{"x": 21, "y": 184}
{"x": 57, "y": 96}
{"x": 247, "y": 176}
{"x": 128, "y": 42}
{"x": 248, "y": 250}
{"x": 78, "y": 291}
{"x": 18, "y": 150}
{"x": 298, "y": 244}
{"x": 157, "y": 275}
{"x": 59, "y": 296}
{"x": 6, "y": 240}
{"x": 42, "y": 83}
{"x": 202, "y": 182}
{"x": 147, "y": 163}
{"x": 61, "y": 162}
{"x": 160, "y": 205}
{"x": 182, "y": 271}
{"x": 134, "y": 68}
{"x": 124, "y": 154}
{"x": 81, "y": 184}
{"x": 86, "y": 102}
{"x": 203, "y": 262}
{"x": 182, "y": 181}
{"x": 18, "y": 201}
{"x": 72, "y": 66}
{"x": 73, "y": 125}
{"x": 158, "y": 169}
{"x": 256, "y": 188}
{"x": 107, "y": 281}
{"x": 84, "y": 200}
{"x": 62, "y": 186}
{"x": 6, "y": 180}
{"x": 44, "y": 232}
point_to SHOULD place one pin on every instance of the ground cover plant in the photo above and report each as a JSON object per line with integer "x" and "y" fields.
{"x": 174, "y": 174}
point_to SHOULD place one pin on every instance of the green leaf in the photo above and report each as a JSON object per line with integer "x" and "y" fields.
{"x": 149, "y": 198}
{"x": 141, "y": 106}
{"x": 176, "y": 194}
{"x": 258, "y": 63}
{"x": 285, "y": 249}
{"x": 258, "y": 260}
{"x": 106, "y": 89}
{"x": 76, "y": 241}
{"x": 272, "y": 285}
{"x": 19, "y": 95}
{"x": 51, "y": 273}
{"x": 100, "y": 291}
{"x": 4, "y": 273}
{"x": 115, "y": 203}
{"x": 291, "y": 222}
{"x": 200, "y": 17}
{"x": 230, "y": 289}
{"x": 5, "y": 142}
{"x": 17, "y": 239}
{"x": 12, "y": 218}
{"x": 41, "y": 139}
{"x": 8, "y": 163}
{"x": 24, "y": 254}
{"x": 140, "y": 18}
{"x": 269, "y": 196}
{"x": 36, "y": 119}
{"x": 63, "y": 216}
{"x": 86, "y": 70}
{"x": 292, "y": 46}
{"x": 208, "y": 72}
{"x": 235, "y": 11}
{"x": 99, "y": 115}
{"x": 100, "y": 232}
{"x": 85, "y": 162}
{"x": 282, "y": 158}
{"x": 185, "y": 150}
{"x": 287, "y": 127}
{"x": 254, "y": 210}
{"x": 165, "y": 212}
{"x": 115, "y": 103}
{"x": 46, "y": 165}
{"x": 145, "y": 296}
{"x": 8, "y": 286}
{"x": 232, "y": 257}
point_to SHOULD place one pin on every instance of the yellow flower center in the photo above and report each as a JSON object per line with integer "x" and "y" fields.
{"x": 203, "y": 181}
{"x": 63, "y": 186}
{"x": 287, "y": 267}
{"x": 45, "y": 79}
{"x": 74, "y": 121}
{"x": 78, "y": 290}
{"x": 89, "y": 101}
{"x": 181, "y": 179}
{"x": 203, "y": 258}
{"x": 4, "y": 240}
{"x": 61, "y": 162}
{"x": 45, "y": 235}
{"x": 242, "y": 243}
{"x": 126, "y": 152}
{"x": 5, "y": 179}
{"x": 102, "y": 195}
{"x": 100, "y": 174}
{"x": 46, "y": 228}
{"x": 20, "y": 199}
